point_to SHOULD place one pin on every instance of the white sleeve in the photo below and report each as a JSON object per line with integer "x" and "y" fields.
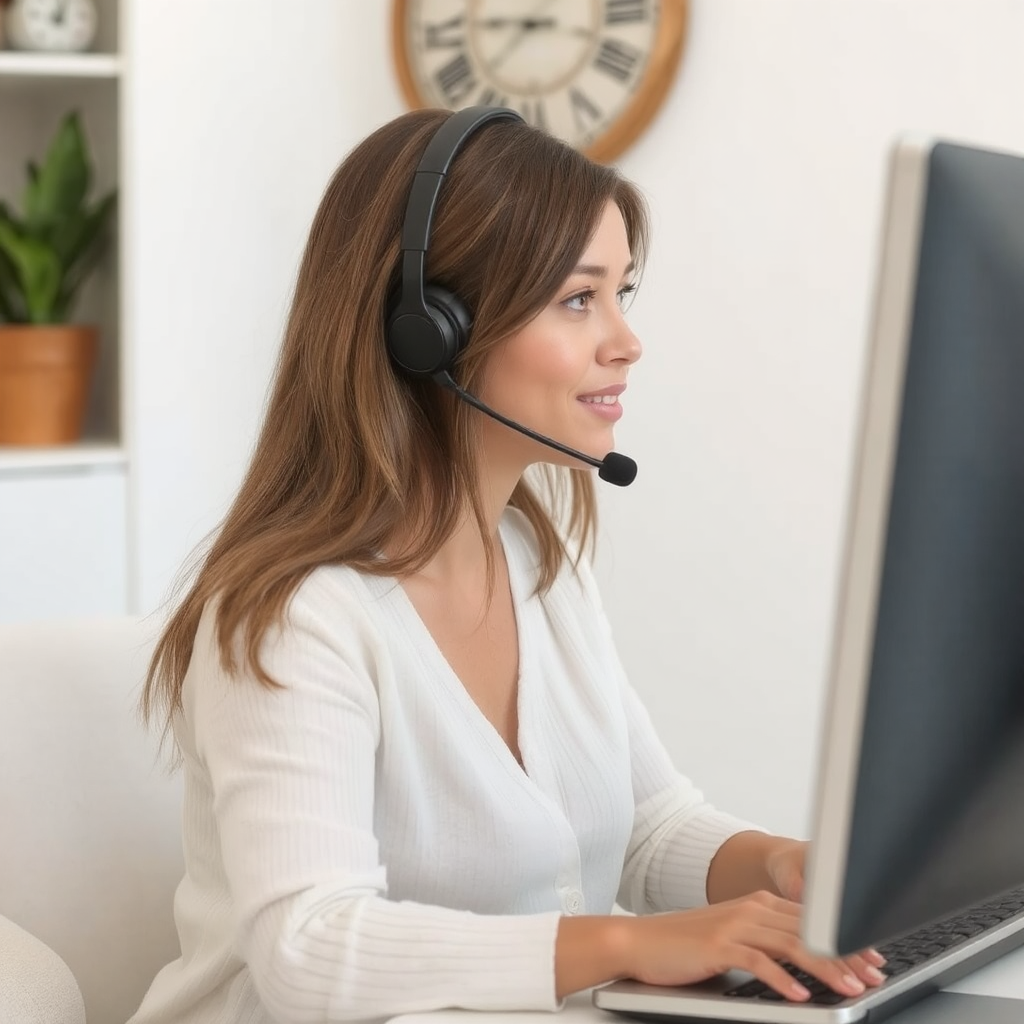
{"x": 292, "y": 773}
{"x": 676, "y": 832}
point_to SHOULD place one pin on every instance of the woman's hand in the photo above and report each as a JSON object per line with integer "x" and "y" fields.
{"x": 752, "y": 933}
{"x": 785, "y": 865}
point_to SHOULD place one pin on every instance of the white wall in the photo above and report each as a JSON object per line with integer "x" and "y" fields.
{"x": 764, "y": 171}
{"x": 766, "y": 175}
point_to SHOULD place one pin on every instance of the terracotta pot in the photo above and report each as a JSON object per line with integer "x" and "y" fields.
{"x": 45, "y": 376}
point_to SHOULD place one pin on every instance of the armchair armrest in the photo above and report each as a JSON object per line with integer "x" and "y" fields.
{"x": 36, "y": 986}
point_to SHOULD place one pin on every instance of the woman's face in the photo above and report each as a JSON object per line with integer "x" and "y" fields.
{"x": 563, "y": 374}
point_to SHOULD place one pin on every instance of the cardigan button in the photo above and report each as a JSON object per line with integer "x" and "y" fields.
{"x": 573, "y": 901}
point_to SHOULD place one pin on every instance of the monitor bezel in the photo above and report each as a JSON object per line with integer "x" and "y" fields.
{"x": 861, "y": 573}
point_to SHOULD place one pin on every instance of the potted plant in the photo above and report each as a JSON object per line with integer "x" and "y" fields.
{"x": 46, "y": 252}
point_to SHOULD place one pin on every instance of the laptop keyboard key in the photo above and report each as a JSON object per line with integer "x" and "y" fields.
{"x": 827, "y": 998}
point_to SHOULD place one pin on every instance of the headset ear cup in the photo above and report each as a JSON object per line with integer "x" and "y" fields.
{"x": 427, "y": 340}
{"x": 453, "y": 319}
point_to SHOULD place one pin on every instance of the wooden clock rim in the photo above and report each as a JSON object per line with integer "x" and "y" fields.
{"x": 648, "y": 95}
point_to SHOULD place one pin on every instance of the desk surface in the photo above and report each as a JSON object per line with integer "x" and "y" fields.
{"x": 1004, "y": 977}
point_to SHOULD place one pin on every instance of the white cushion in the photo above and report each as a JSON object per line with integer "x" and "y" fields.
{"x": 36, "y": 986}
{"x": 91, "y": 849}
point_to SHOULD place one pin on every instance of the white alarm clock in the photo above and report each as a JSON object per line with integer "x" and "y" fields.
{"x": 52, "y": 26}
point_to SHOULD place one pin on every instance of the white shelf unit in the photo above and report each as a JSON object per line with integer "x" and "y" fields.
{"x": 13, "y": 459}
{"x": 59, "y": 65}
{"x": 59, "y": 506}
{"x": 221, "y": 131}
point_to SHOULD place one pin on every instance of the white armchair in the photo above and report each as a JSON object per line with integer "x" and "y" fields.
{"x": 90, "y": 832}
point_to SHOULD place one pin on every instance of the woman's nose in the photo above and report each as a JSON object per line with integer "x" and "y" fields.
{"x": 624, "y": 345}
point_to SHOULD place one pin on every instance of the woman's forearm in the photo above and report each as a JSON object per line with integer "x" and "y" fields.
{"x": 740, "y": 866}
{"x": 590, "y": 951}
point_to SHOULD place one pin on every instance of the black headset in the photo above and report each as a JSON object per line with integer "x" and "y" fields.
{"x": 428, "y": 326}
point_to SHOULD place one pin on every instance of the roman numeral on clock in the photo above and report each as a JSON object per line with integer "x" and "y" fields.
{"x": 616, "y": 12}
{"x": 583, "y": 110}
{"x": 444, "y": 33}
{"x": 456, "y": 79}
{"x": 616, "y": 59}
{"x": 534, "y": 113}
{"x": 491, "y": 98}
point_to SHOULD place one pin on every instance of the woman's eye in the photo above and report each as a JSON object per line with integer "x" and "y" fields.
{"x": 578, "y": 303}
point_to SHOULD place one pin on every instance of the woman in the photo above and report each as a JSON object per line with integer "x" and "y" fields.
{"x": 415, "y": 775}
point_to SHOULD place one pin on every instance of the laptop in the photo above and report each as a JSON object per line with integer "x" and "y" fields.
{"x": 918, "y": 832}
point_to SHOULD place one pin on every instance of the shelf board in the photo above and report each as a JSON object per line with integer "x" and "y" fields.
{"x": 84, "y": 455}
{"x": 59, "y": 65}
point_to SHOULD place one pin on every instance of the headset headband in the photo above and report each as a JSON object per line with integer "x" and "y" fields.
{"x": 427, "y": 327}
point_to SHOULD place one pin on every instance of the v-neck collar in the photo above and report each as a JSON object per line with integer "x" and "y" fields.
{"x": 522, "y": 602}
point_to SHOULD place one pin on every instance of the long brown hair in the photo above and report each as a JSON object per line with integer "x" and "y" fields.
{"x": 351, "y": 454}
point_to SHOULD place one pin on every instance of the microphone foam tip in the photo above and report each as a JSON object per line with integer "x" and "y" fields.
{"x": 617, "y": 469}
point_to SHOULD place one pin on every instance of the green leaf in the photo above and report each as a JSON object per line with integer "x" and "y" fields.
{"x": 89, "y": 246}
{"x": 82, "y": 230}
{"x": 57, "y": 189}
{"x": 12, "y": 305}
{"x": 37, "y": 271}
{"x": 6, "y": 217}
{"x": 9, "y": 290}
{"x": 11, "y": 310}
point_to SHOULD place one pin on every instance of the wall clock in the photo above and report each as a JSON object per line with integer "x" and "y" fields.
{"x": 593, "y": 72}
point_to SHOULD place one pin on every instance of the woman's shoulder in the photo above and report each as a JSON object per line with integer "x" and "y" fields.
{"x": 328, "y": 585}
{"x": 330, "y": 606}
{"x": 341, "y": 601}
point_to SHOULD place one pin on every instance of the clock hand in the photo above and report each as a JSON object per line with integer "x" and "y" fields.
{"x": 60, "y": 12}
{"x": 529, "y": 24}
{"x": 518, "y": 36}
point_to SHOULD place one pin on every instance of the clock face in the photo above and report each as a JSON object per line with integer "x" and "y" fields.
{"x": 589, "y": 71}
{"x": 51, "y": 25}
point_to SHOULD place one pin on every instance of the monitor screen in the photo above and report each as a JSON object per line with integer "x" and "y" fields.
{"x": 919, "y": 810}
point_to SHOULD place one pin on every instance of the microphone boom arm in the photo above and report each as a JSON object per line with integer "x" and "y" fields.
{"x": 615, "y": 468}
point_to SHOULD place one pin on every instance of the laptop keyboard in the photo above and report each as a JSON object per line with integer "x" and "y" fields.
{"x": 905, "y": 953}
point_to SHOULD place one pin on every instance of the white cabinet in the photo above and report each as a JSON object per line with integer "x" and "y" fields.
{"x": 62, "y": 542}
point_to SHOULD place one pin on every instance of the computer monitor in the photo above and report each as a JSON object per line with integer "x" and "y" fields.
{"x": 919, "y": 810}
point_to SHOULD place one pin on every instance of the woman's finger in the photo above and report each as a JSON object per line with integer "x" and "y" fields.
{"x": 765, "y": 969}
{"x": 786, "y": 946}
{"x": 861, "y": 968}
{"x": 775, "y": 928}
{"x": 835, "y": 973}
